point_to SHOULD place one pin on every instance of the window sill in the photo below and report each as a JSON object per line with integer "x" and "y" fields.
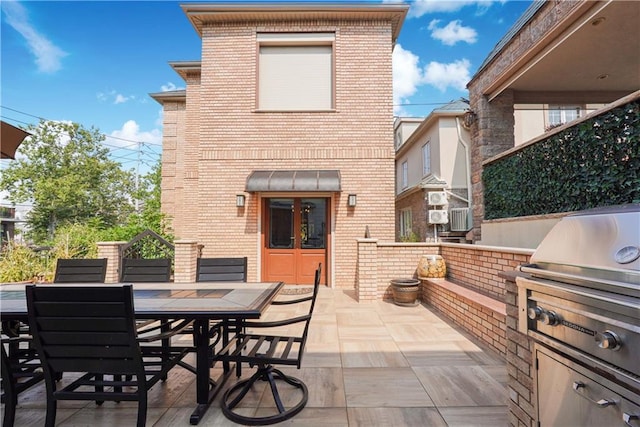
{"x": 295, "y": 111}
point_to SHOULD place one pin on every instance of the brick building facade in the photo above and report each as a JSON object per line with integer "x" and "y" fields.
{"x": 218, "y": 132}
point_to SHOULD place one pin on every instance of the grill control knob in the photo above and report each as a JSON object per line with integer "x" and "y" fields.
{"x": 549, "y": 317}
{"x": 534, "y": 313}
{"x": 608, "y": 340}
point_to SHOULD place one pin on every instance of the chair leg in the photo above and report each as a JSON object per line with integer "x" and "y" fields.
{"x": 238, "y": 391}
{"x": 142, "y": 407}
{"x": 10, "y": 411}
{"x": 52, "y": 406}
{"x": 165, "y": 347}
{"x": 99, "y": 388}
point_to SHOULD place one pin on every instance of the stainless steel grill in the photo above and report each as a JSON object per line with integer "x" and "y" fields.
{"x": 580, "y": 302}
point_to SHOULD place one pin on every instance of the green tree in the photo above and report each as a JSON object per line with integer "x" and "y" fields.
{"x": 65, "y": 172}
{"x": 149, "y": 195}
{"x": 149, "y": 215}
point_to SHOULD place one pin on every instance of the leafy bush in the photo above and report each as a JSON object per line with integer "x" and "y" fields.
{"x": 595, "y": 163}
{"x": 19, "y": 263}
{"x": 411, "y": 237}
{"x": 76, "y": 241}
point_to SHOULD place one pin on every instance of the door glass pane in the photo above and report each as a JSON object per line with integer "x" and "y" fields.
{"x": 281, "y": 223}
{"x": 313, "y": 223}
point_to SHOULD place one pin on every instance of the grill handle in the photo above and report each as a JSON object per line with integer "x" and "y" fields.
{"x": 603, "y": 403}
{"x": 534, "y": 270}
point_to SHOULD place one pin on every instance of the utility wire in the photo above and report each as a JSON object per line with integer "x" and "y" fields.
{"x": 48, "y": 120}
{"x": 112, "y": 148}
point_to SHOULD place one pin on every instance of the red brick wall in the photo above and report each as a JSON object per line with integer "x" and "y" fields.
{"x": 483, "y": 323}
{"x": 519, "y": 365}
{"x": 399, "y": 261}
{"x": 478, "y": 266}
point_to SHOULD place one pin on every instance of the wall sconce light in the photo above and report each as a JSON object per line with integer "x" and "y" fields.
{"x": 468, "y": 119}
{"x": 352, "y": 200}
{"x": 240, "y": 200}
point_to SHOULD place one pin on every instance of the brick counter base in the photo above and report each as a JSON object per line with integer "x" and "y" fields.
{"x": 481, "y": 316}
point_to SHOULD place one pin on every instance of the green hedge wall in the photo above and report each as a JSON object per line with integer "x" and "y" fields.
{"x": 593, "y": 164}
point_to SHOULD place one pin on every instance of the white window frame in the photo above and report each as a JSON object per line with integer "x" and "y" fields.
{"x": 406, "y": 222}
{"x": 561, "y": 114}
{"x": 405, "y": 174}
{"x": 289, "y": 88}
{"x": 426, "y": 158}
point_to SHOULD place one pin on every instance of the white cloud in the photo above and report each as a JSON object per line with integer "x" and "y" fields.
{"x": 116, "y": 98}
{"x": 455, "y": 75}
{"x": 423, "y": 7}
{"x": 130, "y": 133}
{"x": 160, "y": 119}
{"x": 407, "y": 75}
{"x": 120, "y": 99}
{"x": 170, "y": 87}
{"x": 452, "y": 33}
{"x": 48, "y": 56}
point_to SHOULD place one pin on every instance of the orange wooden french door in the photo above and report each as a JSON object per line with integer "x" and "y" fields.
{"x": 295, "y": 238}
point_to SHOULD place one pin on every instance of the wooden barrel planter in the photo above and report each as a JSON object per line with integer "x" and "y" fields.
{"x": 405, "y": 292}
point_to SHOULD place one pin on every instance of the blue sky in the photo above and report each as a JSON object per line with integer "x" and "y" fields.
{"x": 95, "y": 62}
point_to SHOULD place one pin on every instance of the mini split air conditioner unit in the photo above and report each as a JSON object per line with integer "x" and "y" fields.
{"x": 437, "y": 198}
{"x": 438, "y": 217}
{"x": 459, "y": 219}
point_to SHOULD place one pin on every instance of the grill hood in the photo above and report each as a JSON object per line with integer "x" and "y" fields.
{"x": 596, "y": 248}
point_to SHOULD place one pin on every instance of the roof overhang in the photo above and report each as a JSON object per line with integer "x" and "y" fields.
{"x": 169, "y": 96}
{"x": 593, "y": 51}
{"x": 293, "y": 181}
{"x": 201, "y": 15}
{"x": 186, "y": 68}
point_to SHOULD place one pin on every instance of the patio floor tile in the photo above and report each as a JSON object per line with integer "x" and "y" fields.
{"x": 366, "y": 364}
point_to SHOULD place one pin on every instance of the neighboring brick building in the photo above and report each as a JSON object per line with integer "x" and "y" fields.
{"x": 288, "y": 113}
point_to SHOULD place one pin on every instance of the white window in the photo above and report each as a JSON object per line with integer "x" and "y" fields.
{"x": 406, "y": 220}
{"x": 405, "y": 174}
{"x": 426, "y": 159}
{"x": 295, "y": 71}
{"x": 561, "y": 114}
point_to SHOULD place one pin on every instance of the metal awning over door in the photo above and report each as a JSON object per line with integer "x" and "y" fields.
{"x": 297, "y": 180}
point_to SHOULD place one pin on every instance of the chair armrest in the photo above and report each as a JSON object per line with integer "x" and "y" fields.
{"x": 174, "y": 330}
{"x": 291, "y": 301}
{"x": 276, "y": 323}
{"x": 13, "y": 340}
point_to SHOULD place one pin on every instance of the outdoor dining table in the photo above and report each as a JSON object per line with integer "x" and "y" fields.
{"x": 200, "y": 301}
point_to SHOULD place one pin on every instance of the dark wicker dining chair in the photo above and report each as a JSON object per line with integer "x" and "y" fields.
{"x": 21, "y": 370}
{"x": 145, "y": 270}
{"x": 265, "y": 351}
{"x": 221, "y": 269}
{"x": 92, "y": 331}
{"x": 229, "y": 269}
{"x": 87, "y": 270}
